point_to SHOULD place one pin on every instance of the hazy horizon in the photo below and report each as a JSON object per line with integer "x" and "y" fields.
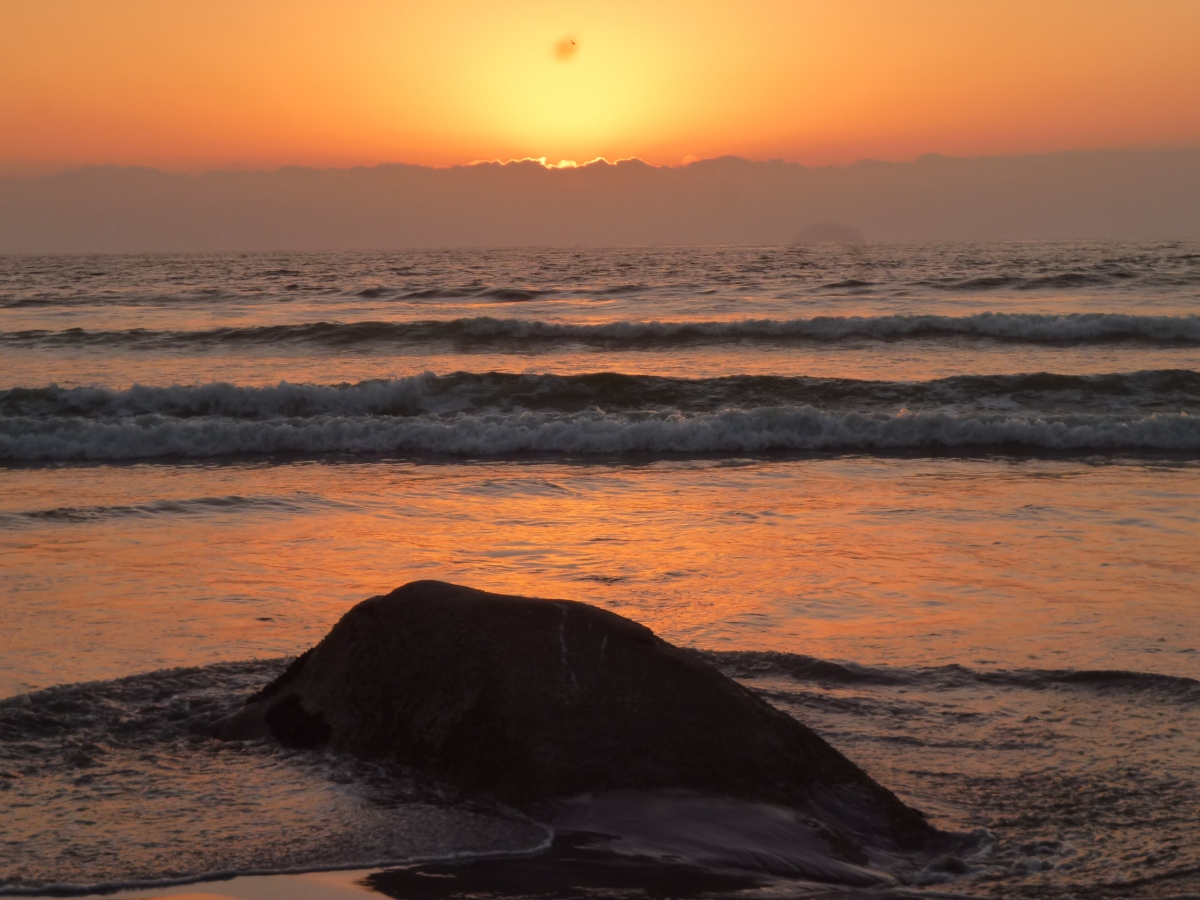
{"x": 1070, "y": 195}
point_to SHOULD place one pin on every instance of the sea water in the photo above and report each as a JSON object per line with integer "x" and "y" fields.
{"x": 940, "y": 502}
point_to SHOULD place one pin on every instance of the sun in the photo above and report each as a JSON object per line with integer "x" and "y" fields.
{"x": 570, "y": 95}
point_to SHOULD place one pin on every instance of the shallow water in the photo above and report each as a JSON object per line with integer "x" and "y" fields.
{"x": 909, "y": 561}
{"x": 968, "y": 475}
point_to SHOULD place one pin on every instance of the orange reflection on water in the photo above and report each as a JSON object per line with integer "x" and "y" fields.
{"x": 116, "y": 569}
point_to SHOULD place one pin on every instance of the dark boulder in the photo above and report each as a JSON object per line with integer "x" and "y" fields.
{"x": 527, "y": 700}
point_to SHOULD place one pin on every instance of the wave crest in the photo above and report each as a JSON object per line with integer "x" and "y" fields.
{"x": 482, "y": 330}
{"x": 797, "y": 667}
{"x": 470, "y": 392}
{"x": 591, "y": 433}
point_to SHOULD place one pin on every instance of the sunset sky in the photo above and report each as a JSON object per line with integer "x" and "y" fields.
{"x": 190, "y": 86}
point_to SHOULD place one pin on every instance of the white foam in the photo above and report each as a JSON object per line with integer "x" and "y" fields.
{"x": 111, "y": 788}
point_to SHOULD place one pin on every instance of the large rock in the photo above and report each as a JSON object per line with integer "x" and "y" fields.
{"x": 530, "y": 700}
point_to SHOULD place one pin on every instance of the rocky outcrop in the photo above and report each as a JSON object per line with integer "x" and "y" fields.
{"x": 528, "y": 700}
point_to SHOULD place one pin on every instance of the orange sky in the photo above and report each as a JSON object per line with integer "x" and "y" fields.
{"x": 198, "y": 84}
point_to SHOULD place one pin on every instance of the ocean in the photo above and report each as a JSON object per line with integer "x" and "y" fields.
{"x": 940, "y": 502}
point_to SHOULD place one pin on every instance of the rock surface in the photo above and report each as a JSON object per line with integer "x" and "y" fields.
{"x": 528, "y": 701}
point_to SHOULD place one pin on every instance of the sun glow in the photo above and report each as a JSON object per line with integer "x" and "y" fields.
{"x": 219, "y": 83}
{"x": 542, "y": 161}
{"x": 572, "y": 102}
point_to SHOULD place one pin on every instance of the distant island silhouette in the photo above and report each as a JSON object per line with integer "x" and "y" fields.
{"x": 828, "y": 233}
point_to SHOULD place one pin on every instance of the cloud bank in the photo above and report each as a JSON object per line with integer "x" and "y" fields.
{"x": 1063, "y": 196}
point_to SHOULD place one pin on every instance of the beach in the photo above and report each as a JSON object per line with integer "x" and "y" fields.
{"x": 938, "y": 502}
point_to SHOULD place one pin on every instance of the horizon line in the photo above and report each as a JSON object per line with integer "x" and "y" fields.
{"x": 566, "y": 165}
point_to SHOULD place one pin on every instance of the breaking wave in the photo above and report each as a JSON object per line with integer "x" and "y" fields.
{"x": 483, "y": 414}
{"x": 732, "y": 431}
{"x": 460, "y": 392}
{"x": 485, "y": 330}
